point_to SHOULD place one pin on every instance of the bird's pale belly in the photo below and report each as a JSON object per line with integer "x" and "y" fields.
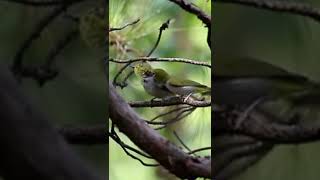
{"x": 154, "y": 90}
{"x": 186, "y": 90}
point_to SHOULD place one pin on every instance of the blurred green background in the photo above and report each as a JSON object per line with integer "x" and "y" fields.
{"x": 77, "y": 97}
{"x": 285, "y": 40}
{"x": 185, "y": 38}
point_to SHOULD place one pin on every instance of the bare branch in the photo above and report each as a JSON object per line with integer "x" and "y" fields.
{"x": 162, "y": 28}
{"x": 153, "y": 59}
{"x": 169, "y": 112}
{"x": 166, "y": 153}
{"x": 85, "y": 135}
{"x": 181, "y": 142}
{"x": 43, "y": 3}
{"x": 265, "y": 126}
{"x": 179, "y": 116}
{"x": 124, "y": 26}
{"x": 291, "y": 7}
{"x": 175, "y": 100}
{"x": 124, "y": 147}
{"x": 200, "y": 149}
{"x": 189, "y": 7}
{"x": 123, "y": 83}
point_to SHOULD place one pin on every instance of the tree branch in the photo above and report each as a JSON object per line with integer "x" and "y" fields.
{"x": 124, "y": 26}
{"x": 175, "y": 100}
{"x": 30, "y": 147}
{"x": 153, "y": 59}
{"x": 163, "y": 27}
{"x": 85, "y": 135}
{"x": 43, "y": 3}
{"x": 291, "y": 7}
{"x": 167, "y": 154}
{"x": 264, "y": 126}
{"x": 189, "y": 7}
{"x": 206, "y": 19}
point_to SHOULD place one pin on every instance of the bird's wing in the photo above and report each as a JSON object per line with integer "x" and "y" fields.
{"x": 184, "y": 82}
{"x": 162, "y": 86}
{"x": 161, "y": 76}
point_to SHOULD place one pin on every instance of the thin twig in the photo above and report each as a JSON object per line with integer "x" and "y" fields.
{"x": 172, "y": 120}
{"x": 179, "y": 117}
{"x": 124, "y": 26}
{"x": 163, "y": 27}
{"x": 117, "y": 139}
{"x": 200, "y": 149}
{"x": 169, "y": 112}
{"x": 128, "y": 153}
{"x": 123, "y": 83}
{"x": 181, "y": 142}
{"x": 125, "y": 79}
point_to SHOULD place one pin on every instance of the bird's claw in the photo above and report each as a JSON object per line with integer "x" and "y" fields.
{"x": 152, "y": 100}
{"x": 186, "y": 98}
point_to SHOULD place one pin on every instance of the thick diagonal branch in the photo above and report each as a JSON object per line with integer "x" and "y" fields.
{"x": 167, "y": 154}
{"x": 30, "y": 147}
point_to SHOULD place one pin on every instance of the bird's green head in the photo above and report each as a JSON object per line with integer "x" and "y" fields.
{"x": 143, "y": 70}
{"x": 161, "y": 75}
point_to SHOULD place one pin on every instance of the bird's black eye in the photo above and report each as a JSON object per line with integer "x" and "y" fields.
{"x": 149, "y": 73}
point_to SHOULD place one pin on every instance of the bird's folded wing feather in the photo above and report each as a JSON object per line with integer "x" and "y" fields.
{"x": 184, "y": 82}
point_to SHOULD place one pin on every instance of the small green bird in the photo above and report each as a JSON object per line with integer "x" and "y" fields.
{"x": 158, "y": 83}
{"x": 153, "y": 80}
